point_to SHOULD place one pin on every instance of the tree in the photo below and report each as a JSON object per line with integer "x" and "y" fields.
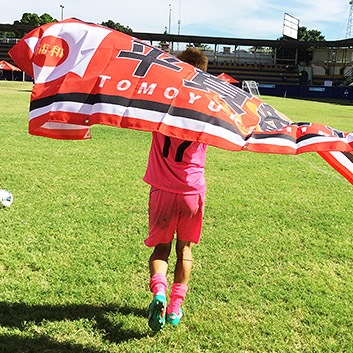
{"x": 7, "y": 34}
{"x": 29, "y": 19}
{"x": 117, "y": 26}
{"x": 33, "y": 19}
{"x": 200, "y": 46}
{"x": 309, "y": 35}
{"x": 260, "y": 49}
{"x": 46, "y": 18}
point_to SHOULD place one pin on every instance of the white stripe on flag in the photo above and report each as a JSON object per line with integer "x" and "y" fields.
{"x": 62, "y": 126}
{"x": 179, "y": 122}
{"x": 139, "y": 114}
{"x": 283, "y": 142}
{"x": 343, "y": 160}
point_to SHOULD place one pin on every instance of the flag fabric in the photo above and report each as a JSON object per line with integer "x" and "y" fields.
{"x": 341, "y": 161}
{"x": 223, "y": 76}
{"x": 86, "y": 74}
{"x": 4, "y": 65}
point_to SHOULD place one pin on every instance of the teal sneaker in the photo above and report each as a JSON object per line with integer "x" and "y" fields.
{"x": 156, "y": 317}
{"x": 174, "y": 319}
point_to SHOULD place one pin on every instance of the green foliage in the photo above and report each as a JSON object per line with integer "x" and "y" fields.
{"x": 32, "y": 19}
{"x": 35, "y": 20}
{"x": 199, "y": 46}
{"x": 309, "y": 35}
{"x": 8, "y": 34}
{"x": 273, "y": 271}
{"x": 46, "y": 18}
{"x": 260, "y": 49}
{"x": 117, "y": 26}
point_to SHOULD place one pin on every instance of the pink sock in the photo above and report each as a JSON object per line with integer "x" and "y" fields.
{"x": 158, "y": 283}
{"x": 177, "y": 296}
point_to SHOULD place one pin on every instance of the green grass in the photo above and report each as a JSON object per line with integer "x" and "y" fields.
{"x": 273, "y": 271}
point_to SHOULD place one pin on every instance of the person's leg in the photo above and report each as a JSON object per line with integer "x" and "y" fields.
{"x": 158, "y": 284}
{"x": 162, "y": 224}
{"x": 181, "y": 279}
{"x": 188, "y": 232}
{"x": 158, "y": 261}
{"x": 158, "y": 264}
{"x": 184, "y": 262}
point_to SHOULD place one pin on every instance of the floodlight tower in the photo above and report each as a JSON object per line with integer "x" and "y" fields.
{"x": 62, "y": 12}
{"x": 170, "y": 17}
{"x": 349, "y": 31}
{"x": 179, "y": 23}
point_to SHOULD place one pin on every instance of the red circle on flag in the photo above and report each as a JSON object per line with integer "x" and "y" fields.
{"x": 51, "y": 51}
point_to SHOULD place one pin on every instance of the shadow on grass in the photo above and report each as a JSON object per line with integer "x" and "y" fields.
{"x": 325, "y": 100}
{"x": 16, "y": 316}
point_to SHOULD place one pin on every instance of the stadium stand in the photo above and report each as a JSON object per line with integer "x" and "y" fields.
{"x": 4, "y": 48}
{"x": 287, "y": 66}
{"x": 261, "y": 73}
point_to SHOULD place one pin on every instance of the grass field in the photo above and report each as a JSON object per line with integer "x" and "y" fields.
{"x": 273, "y": 271}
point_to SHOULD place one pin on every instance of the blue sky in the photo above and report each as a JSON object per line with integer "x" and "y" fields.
{"x": 261, "y": 19}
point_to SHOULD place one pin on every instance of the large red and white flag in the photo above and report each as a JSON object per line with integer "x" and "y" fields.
{"x": 86, "y": 74}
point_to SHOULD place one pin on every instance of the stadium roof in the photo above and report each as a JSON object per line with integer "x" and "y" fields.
{"x": 174, "y": 38}
{"x": 284, "y": 42}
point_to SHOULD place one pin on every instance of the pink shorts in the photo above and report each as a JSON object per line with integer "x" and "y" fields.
{"x": 170, "y": 212}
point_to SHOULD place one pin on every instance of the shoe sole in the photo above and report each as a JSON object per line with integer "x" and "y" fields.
{"x": 156, "y": 319}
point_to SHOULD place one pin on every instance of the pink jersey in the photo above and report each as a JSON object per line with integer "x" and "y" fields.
{"x": 176, "y": 165}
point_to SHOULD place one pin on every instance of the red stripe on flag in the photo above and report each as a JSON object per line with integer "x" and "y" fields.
{"x": 336, "y": 164}
{"x": 59, "y": 134}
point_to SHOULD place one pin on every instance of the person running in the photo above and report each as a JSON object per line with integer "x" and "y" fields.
{"x": 175, "y": 172}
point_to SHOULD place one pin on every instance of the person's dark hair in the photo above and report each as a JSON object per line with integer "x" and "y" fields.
{"x": 194, "y": 57}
